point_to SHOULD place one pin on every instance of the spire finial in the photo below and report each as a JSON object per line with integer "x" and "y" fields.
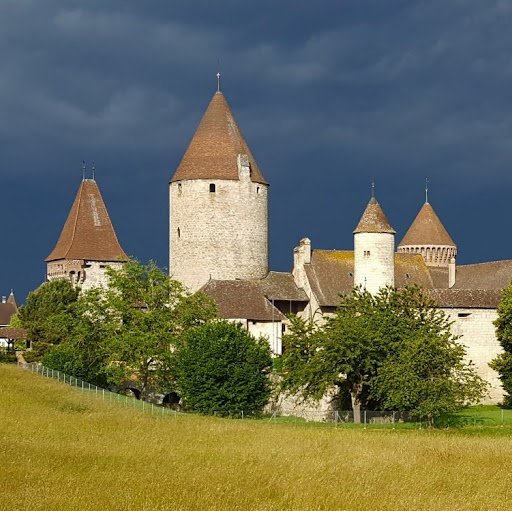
{"x": 373, "y": 188}
{"x": 93, "y": 171}
{"x": 83, "y": 170}
{"x": 426, "y": 190}
{"x": 218, "y": 81}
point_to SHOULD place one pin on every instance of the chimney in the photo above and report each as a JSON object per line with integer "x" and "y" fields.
{"x": 451, "y": 272}
{"x": 4, "y": 299}
{"x": 305, "y": 248}
{"x": 244, "y": 167}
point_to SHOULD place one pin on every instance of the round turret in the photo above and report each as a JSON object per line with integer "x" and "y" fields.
{"x": 218, "y": 205}
{"x": 374, "y": 250}
{"x": 428, "y": 237}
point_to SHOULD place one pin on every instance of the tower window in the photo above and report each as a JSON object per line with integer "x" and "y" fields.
{"x": 257, "y": 189}
{"x": 179, "y": 189}
{"x": 179, "y": 233}
{"x": 407, "y": 275}
{"x": 350, "y": 274}
{"x": 366, "y": 253}
{"x": 212, "y": 188}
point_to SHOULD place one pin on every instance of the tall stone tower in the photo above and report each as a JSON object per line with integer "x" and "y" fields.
{"x": 87, "y": 243}
{"x": 374, "y": 250}
{"x": 218, "y": 205}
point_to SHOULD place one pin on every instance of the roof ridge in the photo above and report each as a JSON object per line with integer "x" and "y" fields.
{"x": 80, "y": 191}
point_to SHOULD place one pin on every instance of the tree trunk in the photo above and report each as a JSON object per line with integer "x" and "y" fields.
{"x": 355, "y": 396}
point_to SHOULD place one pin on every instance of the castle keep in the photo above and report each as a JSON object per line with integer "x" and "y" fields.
{"x": 218, "y": 205}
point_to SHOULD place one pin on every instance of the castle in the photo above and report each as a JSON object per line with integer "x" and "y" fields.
{"x": 218, "y": 243}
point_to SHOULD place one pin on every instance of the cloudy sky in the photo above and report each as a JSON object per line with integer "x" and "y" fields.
{"x": 328, "y": 94}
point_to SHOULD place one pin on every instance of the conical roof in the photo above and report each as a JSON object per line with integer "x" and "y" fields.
{"x": 12, "y": 299}
{"x": 374, "y": 219}
{"x": 88, "y": 232}
{"x": 427, "y": 229}
{"x": 215, "y": 146}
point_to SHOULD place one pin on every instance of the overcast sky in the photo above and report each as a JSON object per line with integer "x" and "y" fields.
{"x": 328, "y": 95}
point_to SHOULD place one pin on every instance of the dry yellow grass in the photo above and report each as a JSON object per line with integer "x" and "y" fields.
{"x": 64, "y": 450}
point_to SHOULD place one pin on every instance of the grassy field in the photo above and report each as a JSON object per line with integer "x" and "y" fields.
{"x": 61, "y": 449}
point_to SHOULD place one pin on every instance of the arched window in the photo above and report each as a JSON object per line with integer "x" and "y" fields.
{"x": 212, "y": 188}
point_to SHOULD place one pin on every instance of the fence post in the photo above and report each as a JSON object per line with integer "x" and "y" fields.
{"x": 393, "y": 419}
{"x": 242, "y": 415}
{"x": 82, "y": 385}
{"x": 336, "y": 417}
{"x": 365, "y": 419}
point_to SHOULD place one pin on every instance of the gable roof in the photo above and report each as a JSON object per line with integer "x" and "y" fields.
{"x": 241, "y": 299}
{"x": 215, "y": 146}
{"x": 331, "y": 272}
{"x": 281, "y": 286}
{"x": 491, "y": 275}
{"x": 427, "y": 229}
{"x": 88, "y": 232}
{"x": 466, "y": 298}
{"x": 374, "y": 219}
{"x": 6, "y": 311}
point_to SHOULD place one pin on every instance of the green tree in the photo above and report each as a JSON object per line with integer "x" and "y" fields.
{"x": 221, "y": 369}
{"x": 129, "y": 329}
{"x": 503, "y": 362}
{"x": 47, "y": 313}
{"x": 367, "y": 350}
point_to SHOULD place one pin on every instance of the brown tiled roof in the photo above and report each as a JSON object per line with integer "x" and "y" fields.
{"x": 491, "y": 275}
{"x": 411, "y": 269}
{"x": 241, "y": 299}
{"x": 88, "y": 232}
{"x": 215, "y": 146}
{"x": 13, "y": 333}
{"x": 466, "y": 298}
{"x": 281, "y": 286}
{"x": 331, "y": 273}
{"x": 6, "y": 311}
{"x": 427, "y": 229}
{"x": 439, "y": 276}
{"x": 374, "y": 219}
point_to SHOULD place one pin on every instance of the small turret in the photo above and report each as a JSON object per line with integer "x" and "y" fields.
{"x": 374, "y": 249}
{"x": 428, "y": 237}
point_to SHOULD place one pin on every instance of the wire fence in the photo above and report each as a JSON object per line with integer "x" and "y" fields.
{"x": 102, "y": 393}
{"x": 476, "y": 416}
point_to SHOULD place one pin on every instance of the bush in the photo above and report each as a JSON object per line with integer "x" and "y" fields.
{"x": 221, "y": 369}
{"x": 7, "y": 357}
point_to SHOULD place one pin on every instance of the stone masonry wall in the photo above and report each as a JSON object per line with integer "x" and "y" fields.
{"x": 85, "y": 274}
{"x": 220, "y": 235}
{"x": 374, "y": 260}
{"x": 479, "y": 338}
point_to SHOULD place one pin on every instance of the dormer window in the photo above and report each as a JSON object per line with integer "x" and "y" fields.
{"x": 212, "y": 188}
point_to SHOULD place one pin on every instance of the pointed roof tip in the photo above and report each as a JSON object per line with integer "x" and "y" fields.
{"x": 374, "y": 220}
{"x": 215, "y": 146}
{"x": 427, "y": 229}
{"x": 88, "y": 233}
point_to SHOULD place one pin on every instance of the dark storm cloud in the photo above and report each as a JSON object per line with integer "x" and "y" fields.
{"x": 327, "y": 93}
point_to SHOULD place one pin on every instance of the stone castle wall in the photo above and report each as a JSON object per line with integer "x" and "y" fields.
{"x": 85, "y": 274}
{"x": 221, "y": 234}
{"x": 479, "y": 337}
{"x": 374, "y": 260}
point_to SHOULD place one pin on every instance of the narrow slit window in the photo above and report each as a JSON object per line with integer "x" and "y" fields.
{"x": 179, "y": 233}
{"x": 212, "y": 188}
{"x": 258, "y": 189}
{"x": 179, "y": 189}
